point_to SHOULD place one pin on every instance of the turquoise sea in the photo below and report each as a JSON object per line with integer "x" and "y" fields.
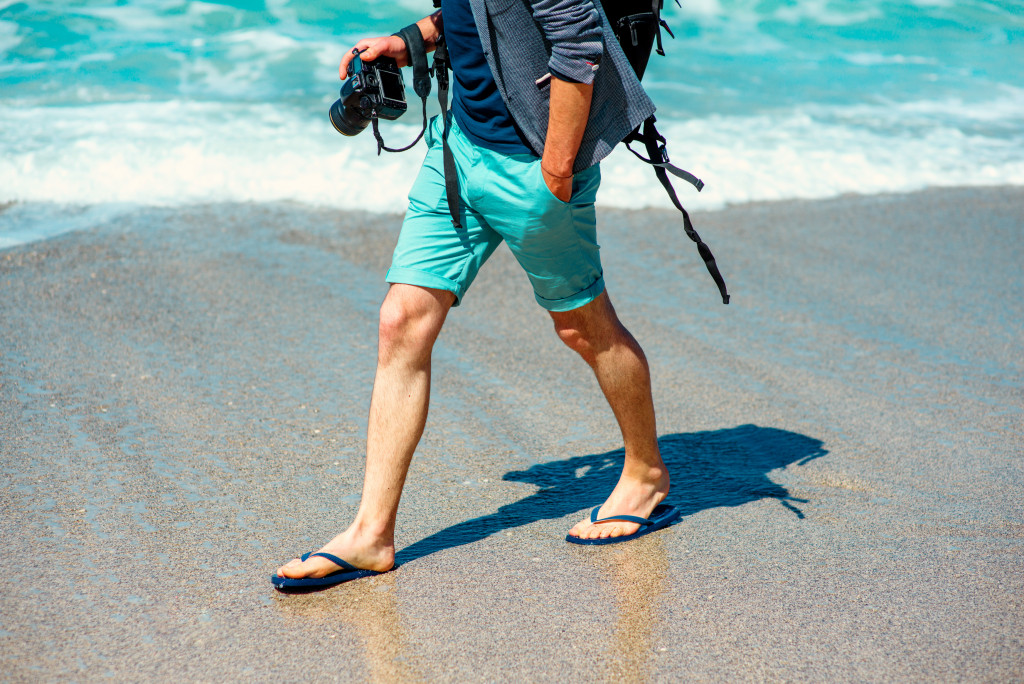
{"x": 113, "y": 103}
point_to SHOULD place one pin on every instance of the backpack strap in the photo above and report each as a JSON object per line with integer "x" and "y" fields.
{"x": 662, "y": 154}
{"x": 655, "y": 144}
{"x": 659, "y": 5}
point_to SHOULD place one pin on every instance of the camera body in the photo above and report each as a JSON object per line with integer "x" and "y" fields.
{"x": 373, "y": 89}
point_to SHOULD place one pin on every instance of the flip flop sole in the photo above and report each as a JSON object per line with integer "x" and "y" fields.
{"x": 326, "y": 581}
{"x": 662, "y": 516}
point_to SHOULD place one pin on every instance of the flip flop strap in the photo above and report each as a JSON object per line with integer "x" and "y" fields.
{"x": 331, "y": 557}
{"x": 627, "y": 518}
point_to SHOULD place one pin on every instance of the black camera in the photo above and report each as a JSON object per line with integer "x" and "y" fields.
{"x": 373, "y": 89}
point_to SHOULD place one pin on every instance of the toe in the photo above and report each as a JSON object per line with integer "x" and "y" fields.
{"x": 288, "y": 569}
{"x": 588, "y": 530}
{"x": 582, "y": 529}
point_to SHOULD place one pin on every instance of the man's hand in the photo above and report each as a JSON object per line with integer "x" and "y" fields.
{"x": 567, "y": 119}
{"x": 560, "y": 186}
{"x": 372, "y": 48}
{"x": 393, "y": 46}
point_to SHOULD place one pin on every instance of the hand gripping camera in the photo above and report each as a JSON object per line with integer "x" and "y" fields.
{"x": 373, "y": 90}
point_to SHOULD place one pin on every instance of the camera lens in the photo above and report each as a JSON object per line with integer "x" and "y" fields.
{"x": 347, "y": 121}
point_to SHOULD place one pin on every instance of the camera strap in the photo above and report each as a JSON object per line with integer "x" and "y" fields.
{"x": 451, "y": 174}
{"x": 413, "y": 40}
{"x": 421, "y": 83}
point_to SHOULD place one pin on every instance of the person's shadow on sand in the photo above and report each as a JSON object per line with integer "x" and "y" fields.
{"x": 709, "y": 469}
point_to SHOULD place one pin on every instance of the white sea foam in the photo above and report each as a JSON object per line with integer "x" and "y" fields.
{"x": 745, "y": 159}
{"x": 9, "y": 38}
{"x": 186, "y": 152}
{"x": 134, "y": 19}
{"x": 876, "y": 59}
{"x": 171, "y": 153}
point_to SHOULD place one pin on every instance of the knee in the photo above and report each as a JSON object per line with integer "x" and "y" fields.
{"x": 578, "y": 338}
{"x": 406, "y": 327}
{"x": 593, "y": 330}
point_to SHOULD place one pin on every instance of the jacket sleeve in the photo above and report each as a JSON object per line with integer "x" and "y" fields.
{"x": 573, "y": 27}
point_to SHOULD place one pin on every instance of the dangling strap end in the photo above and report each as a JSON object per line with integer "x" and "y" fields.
{"x": 376, "y": 131}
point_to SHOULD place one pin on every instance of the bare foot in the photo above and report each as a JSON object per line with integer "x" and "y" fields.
{"x": 631, "y": 496}
{"x": 363, "y": 551}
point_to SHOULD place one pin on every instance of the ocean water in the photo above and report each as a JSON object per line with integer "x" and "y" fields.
{"x": 108, "y": 104}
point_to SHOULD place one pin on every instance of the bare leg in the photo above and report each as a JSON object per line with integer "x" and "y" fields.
{"x": 410, "y": 321}
{"x": 594, "y": 331}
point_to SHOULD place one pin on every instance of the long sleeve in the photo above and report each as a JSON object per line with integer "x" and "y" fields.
{"x": 573, "y": 27}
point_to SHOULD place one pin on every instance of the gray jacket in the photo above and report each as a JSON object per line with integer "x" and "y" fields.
{"x": 525, "y": 39}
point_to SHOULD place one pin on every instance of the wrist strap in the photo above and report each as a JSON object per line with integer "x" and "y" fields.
{"x": 413, "y": 40}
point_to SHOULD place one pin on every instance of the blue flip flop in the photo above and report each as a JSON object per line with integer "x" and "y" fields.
{"x": 347, "y": 573}
{"x": 662, "y": 516}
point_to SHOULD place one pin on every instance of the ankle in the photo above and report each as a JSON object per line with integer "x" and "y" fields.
{"x": 646, "y": 476}
{"x": 372, "y": 533}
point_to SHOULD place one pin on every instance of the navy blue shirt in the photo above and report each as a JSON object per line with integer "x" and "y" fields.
{"x": 476, "y": 103}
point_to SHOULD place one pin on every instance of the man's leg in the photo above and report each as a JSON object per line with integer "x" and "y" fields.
{"x": 595, "y": 333}
{"x": 411, "y": 318}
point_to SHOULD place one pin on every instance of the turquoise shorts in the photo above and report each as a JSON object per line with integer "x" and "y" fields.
{"x": 501, "y": 197}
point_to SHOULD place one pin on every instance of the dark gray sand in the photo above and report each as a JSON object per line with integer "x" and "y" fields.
{"x": 183, "y": 408}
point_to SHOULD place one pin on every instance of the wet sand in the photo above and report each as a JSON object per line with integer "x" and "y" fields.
{"x": 182, "y": 408}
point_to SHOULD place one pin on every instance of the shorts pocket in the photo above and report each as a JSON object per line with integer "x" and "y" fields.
{"x": 546, "y": 191}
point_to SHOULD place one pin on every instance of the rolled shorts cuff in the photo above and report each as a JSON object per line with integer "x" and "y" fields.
{"x": 412, "y": 276}
{"x": 581, "y": 298}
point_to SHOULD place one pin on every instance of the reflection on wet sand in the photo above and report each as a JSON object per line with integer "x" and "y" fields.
{"x": 370, "y": 623}
{"x": 638, "y": 572}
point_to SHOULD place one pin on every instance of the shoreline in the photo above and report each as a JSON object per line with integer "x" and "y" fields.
{"x": 18, "y": 230}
